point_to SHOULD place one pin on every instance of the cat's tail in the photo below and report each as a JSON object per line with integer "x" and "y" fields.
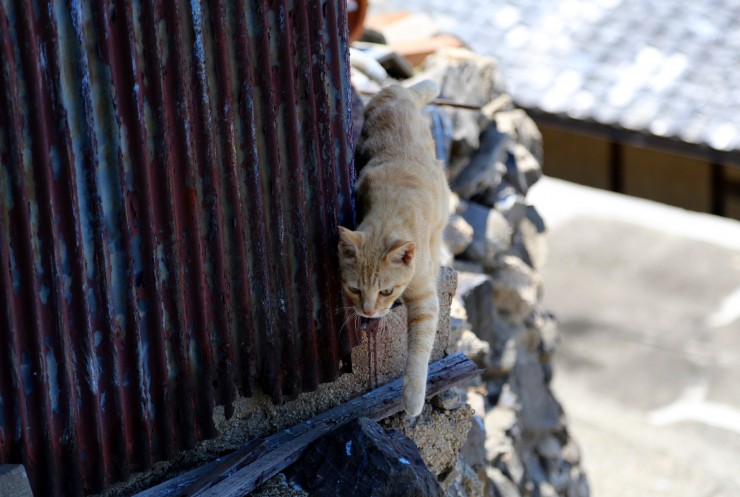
{"x": 424, "y": 91}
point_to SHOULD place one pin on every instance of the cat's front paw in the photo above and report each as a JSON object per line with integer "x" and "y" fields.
{"x": 413, "y": 398}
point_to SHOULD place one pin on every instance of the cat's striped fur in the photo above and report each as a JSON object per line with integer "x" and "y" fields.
{"x": 402, "y": 195}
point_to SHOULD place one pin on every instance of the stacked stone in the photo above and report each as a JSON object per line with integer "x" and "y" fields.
{"x": 514, "y": 442}
{"x": 519, "y": 443}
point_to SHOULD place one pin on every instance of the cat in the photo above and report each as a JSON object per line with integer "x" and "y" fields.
{"x": 402, "y": 196}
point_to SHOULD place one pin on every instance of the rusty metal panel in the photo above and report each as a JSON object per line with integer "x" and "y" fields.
{"x": 172, "y": 174}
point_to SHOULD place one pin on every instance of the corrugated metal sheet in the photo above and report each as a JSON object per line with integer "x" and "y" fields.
{"x": 171, "y": 180}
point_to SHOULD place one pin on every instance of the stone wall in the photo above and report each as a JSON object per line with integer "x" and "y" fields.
{"x": 519, "y": 443}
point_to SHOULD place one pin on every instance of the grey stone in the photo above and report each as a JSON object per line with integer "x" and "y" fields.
{"x": 543, "y": 324}
{"x": 508, "y": 337}
{"x": 455, "y": 490}
{"x": 448, "y": 400}
{"x": 463, "y": 266}
{"x": 514, "y": 174}
{"x": 470, "y": 481}
{"x": 578, "y": 486}
{"x": 489, "y": 196}
{"x": 477, "y": 401}
{"x": 363, "y": 459}
{"x": 571, "y": 452}
{"x": 516, "y": 288}
{"x": 485, "y": 170}
{"x": 511, "y": 465}
{"x": 449, "y": 481}
{"x": 457, "y": 325}
{"x": 503, "y": 359}
{"x": 466, "y": 482}
{"x": 527, "y": 165}
{"x": 558, "y": 474}
{"x": 14, "y": 481}
{"x": 549, "y": 448}
{"x": 500, "y": 423}
{"x": 473, "y": 451}
{"x": 518, "y": 247}
{"x": 458, "y": 234}
{"x": 540, "y": 414}
{"x": 454, "y": 203}
{"x": 547, "y": 490}
{"x": 529, "y": 242}
{"x": 460, "y": 72}
{"x": 441, "y": 127}
{"x": 500, "y": 485}
{"x": 534, "y": 472}
{"x": 517, "y": 124}
{"x": 509, "y": 202}
{"x": 491, "y": 233}
{"x": 534, "y": 217}
{"x": 476, "y": 349}
{"x": 476, "y": 293}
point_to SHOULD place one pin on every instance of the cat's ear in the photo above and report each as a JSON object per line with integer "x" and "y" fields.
{"x": 349, "y": 242}
{"x": 400, "y": 253}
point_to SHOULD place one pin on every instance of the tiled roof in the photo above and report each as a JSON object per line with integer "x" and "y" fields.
{"x": 668, "y": 68}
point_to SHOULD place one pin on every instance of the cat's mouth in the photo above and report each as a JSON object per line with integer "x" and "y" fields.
{"x": 364, "y": 319}
{"x": 375, "y": 317}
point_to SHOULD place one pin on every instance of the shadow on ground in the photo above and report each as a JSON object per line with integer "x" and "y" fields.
{"x": 650, "y": 322}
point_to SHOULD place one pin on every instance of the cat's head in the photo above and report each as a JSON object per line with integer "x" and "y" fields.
{"x": 374, "y": 274}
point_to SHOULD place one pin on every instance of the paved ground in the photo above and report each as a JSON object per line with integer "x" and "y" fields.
{"x": 648, "y": 298}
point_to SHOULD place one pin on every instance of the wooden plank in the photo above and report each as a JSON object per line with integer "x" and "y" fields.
{"x": 193, "y": 480}
{"x": 241, "y": 472}
{"x": 14, "y": 481}
{"x": 436, "y": 101}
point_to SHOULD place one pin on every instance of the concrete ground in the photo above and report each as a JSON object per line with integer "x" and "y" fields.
{"x": 648, "y": 371}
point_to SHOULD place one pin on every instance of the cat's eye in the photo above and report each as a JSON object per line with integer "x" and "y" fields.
{"x": 354, "y": 290}
{"x": 386, "y": 292}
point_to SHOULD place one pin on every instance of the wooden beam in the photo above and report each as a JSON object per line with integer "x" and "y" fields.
{"x": 435, "y": 101}
{"x": 259, "y": 460}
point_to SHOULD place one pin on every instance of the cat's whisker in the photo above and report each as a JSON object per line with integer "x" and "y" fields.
{"x": 357, "y": 326}
{"x": 351, "y": 314}
{"x": 346, "y": 320}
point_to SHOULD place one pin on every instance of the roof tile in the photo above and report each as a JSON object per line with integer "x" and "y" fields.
{"x": 670, "y": 68}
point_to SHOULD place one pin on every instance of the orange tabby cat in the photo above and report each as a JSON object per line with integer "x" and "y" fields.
{"x": 402, "y": 196}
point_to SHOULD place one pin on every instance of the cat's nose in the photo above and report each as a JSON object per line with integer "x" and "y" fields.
{"x": 367, "y": 308}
